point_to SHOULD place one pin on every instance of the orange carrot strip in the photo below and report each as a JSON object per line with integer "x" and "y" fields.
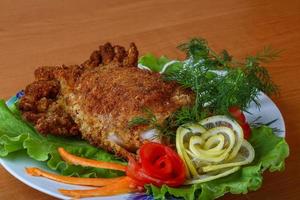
{"x": 125, "y": 185}
{"x": 73, "y": 180}
{"x": 88, "y": 162}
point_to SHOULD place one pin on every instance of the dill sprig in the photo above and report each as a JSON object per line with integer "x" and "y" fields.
{"x": 166, "y": 129}
{"x": 136, "y": 121}
{"x": 256, "y": 123}
{"x": 147, "y": 119}
{"x": 220, "y": 82}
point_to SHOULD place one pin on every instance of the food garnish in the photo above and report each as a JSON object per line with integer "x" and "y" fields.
{"x": 123, "y": 186}
{"x": 158, "y": 165}
{"x": 75, "y": 160}
{"x": 212, "y": 148}
{"x": 106, "y": 186}
{"x": 109, "y": 186}
{"x": 239, "y": 116}
{"x": 217, "y": 80}
{"x": 33, "y": 171}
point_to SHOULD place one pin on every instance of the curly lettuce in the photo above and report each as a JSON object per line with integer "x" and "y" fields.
{"x": 161, "y": 64}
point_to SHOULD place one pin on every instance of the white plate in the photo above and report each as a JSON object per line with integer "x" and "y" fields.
{"x": 16, "y": 163}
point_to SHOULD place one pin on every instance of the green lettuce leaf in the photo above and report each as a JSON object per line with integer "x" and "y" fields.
{"x": 16, "y": 135}
{"x": 270, "y": 154}
{"x": 157, "y": 64}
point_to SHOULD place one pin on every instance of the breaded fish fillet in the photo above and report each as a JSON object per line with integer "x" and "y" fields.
{"x": 97, "y": 99}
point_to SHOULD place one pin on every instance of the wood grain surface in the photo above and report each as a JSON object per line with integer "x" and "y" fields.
{"x": 35, "y": 33}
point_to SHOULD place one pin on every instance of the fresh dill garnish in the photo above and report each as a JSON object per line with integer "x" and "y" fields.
{"x": 136, "y": 121}
{"x": 255, "y": 124}
{"x": 184, "y": 115}
{"x": 218, "y": 81}
{"x": 167, "y": 129}
{"x": 148, "y": 119}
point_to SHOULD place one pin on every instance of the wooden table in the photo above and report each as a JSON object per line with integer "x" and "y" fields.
{"x": 35, "y": 33}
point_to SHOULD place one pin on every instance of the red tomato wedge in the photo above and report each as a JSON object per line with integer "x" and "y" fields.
{"x": 239, "y": 116}
{"x": 247, "y": 130}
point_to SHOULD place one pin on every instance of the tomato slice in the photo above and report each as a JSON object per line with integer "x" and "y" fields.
{"x": 237, "y": 114}
{"x": 247, "y": 130}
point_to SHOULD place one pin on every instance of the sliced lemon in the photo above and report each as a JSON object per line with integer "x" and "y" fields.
{"x": 181, "y": 134}
{"x": 212, "y": 148}
{"x": 245, "y": 156}
{"x": 210, "y": 177}
{"x": 221, "y": 120}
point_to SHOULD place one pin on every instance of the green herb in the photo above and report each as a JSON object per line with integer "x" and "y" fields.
{"x": 148, "y": 119}
{"x": 155, "y": 63}
{"x": 218, "y": 81}
{"x": 255, "y": 124}
{"x": 166, "y": 129}
{"x": 136, "y": 121}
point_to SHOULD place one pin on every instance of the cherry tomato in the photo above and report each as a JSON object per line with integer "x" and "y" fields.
{"x": 247, "y": 130}
{"x": 239, "y": 116}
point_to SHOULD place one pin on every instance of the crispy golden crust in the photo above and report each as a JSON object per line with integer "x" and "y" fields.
{"x": 45, "y": 73}
{"x": 56, "y": 121}
{"x": 39, "y": 89}
{"x": 40, "y": 106}
{"x": 115, "y": 54}
{"x": 105, "y": 99}
{"x": 113, "y": 89}
{"x": 98, "y": 98}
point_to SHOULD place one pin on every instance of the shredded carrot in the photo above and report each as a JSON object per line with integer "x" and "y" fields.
{"x": 88, "y": 162}
{"x": 74, "y": 180}
{"x": 120, "y": 187}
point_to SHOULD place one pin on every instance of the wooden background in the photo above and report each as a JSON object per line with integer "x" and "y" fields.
{"x": 35, "y": 33}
